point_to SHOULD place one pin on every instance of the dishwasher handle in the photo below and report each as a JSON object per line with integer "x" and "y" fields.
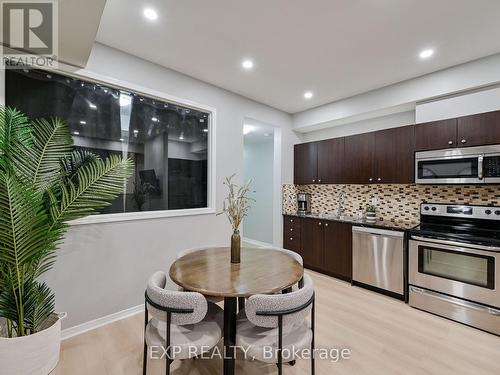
{"x": 378, "y": 232}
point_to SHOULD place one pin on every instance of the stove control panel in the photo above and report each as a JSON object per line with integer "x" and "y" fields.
{"x": 464, "y": 211}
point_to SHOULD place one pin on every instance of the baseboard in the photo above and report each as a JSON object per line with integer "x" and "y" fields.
{"x": 99, "y": 322}
{"x": 257, "y": 243}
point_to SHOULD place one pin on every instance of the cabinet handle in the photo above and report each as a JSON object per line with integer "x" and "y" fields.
{"x": 379, "y": 179}
{"x": 291, "y": 220}
{"x": 291, "y": 229}
{"x": 291, "y": 238}
{"x": 319, "y": 223}
{"x": 319, "y": 180}
{"x": 314, "y": 180}
{"x": 464, "y": 141}
{"x": 450, "y": 142}
{"x": 326, "y": 224}
{"x": 371, "y": 179}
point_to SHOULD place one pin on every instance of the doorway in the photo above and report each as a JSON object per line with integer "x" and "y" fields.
{"x": 259, "y": 145}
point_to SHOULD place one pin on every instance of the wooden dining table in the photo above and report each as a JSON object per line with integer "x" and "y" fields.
{"x": 210, "y": 272}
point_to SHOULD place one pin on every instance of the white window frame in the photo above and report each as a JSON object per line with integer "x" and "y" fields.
{"x": 154, "y": 94}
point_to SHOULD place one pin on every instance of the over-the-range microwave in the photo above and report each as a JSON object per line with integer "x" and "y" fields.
{"x": 471, "y": 165}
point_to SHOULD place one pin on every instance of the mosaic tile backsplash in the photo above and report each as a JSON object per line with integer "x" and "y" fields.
{"x": 394, "y": 202}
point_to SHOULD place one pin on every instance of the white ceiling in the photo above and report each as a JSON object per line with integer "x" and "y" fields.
{"x": 335, "y": 48}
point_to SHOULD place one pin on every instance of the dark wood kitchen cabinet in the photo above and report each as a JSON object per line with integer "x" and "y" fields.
{"x": 312, "y": 243}
{"x": 478, "y": 130}
{"x": 319, "y": 162}
{"x": 325, "y": 246}
{"x": 436, "y": 135}
{"x": 331, "y": 161}
{"x": 305, "y": 166}
{"x": 395, "y": 156}
{"x": 359, "y": 158}
{"x": 385, "y": 156}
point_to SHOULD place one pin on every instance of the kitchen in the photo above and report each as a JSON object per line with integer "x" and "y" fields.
{"x": 412, "y": 212}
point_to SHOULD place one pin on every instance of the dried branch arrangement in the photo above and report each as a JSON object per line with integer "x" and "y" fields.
{"x": 237, "y": 203}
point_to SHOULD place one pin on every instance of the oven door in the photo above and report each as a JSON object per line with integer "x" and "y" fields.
{"x": 461, "y": 169}
{"x": 462, "y": 270}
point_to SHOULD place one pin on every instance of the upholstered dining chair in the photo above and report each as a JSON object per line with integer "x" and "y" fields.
{"x": 184, "y": 321}
{"x": 278, "y": 321}
{"x": 213, "y": 299}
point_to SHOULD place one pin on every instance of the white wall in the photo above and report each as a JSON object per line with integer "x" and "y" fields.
{"x": 402, "y": 96}
{"x": 365, "y": 126}
{"x": 258, "y": 167}
{"x": 478, "y": 101}
{"x": 103, "y": 268}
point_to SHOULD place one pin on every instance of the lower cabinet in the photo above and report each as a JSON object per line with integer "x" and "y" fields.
{"x": 325, "y": 246}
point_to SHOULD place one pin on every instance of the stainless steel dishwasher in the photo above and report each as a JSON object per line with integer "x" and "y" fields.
{"x": 378, "y": 259}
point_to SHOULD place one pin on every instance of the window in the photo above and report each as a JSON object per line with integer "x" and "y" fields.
{"x": 168, "y": 142}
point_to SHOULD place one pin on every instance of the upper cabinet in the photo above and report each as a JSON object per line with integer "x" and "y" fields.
{"x": 331, "y": 161}
{"x": 436, "y": 135}
{"x": 319, "y": 162}
{"x": 359, "y": 158}
{"x": 466, "y": 131}
{"x": 305, "y": 166}
{"x": 477, "y": 130}
{"x": 394, "y": 161}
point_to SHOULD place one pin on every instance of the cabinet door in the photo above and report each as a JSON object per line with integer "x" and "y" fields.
{"x": 312, "y": 242}
{"x": 480, "y": 129}
{"x": 395, "y": 155}
{"x": 359, "y": 158}
{"x": 331, "y": 161}
{"x": 338, "y": 249}
{"x": 305, "y": 168}
{"x": 292, "y": 234}
{"x": 436, "y": 135}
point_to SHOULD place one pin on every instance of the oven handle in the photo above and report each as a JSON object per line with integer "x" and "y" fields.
{"x": 455, "y": 243}
{"x": 456, "y": 301}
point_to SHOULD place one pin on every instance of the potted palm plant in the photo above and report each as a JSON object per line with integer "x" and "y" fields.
{"x": 44, "y": 183}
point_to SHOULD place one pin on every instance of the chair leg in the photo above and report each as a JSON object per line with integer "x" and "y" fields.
{"x": 312, "y": 339}
{"x": 280, "y": 345}
{"x": 241, "y": 303}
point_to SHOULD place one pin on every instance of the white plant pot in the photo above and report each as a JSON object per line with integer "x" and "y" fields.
{"x": 36, "y": 354}
{"x": 371, "y": 216}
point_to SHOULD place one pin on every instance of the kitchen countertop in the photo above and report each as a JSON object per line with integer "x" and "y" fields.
{"x": 383, "y": 224}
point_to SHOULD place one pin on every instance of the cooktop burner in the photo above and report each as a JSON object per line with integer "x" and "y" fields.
{"x": 463, "y": 223}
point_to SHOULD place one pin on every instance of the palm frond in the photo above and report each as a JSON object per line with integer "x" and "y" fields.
{"x": 40, "y": 302}
{"x": 42, "y": 161}
{"x": 15, "y": 136}
{"x": 95, "y": 185}
{"x": 73, "y": 162}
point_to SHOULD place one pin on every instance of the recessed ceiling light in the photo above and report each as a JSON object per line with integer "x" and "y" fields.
{"x": 154, "y": 119}
{"x": 247, "y": 64}
{"x": 308, "y": 95}
{"x": 83, "y": 122}
{"x": 121, "y": 139}
{"x": 205, "y": 130}
{"x": 76, "y": 133}
{"x": 136, "y": 131}
{"x": 150, "y": 14}
{"x": 181, "y": 137}
{"x": 426, "y": 53}
{"x": 93, "y": 106}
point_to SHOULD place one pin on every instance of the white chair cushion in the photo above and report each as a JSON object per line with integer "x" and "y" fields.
{"x": 258, "y": 340}
{"x": 202, "y": 336}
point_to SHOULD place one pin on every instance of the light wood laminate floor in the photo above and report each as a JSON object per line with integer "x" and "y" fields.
{"x": 385, "y": 337}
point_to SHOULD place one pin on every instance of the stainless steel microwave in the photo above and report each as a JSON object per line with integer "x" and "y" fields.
{"x": 471, "y": 165}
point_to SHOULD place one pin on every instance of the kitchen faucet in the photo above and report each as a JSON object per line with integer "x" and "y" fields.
{"x": 342, "y": 197}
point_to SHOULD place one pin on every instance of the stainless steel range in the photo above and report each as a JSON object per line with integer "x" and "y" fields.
{"x": 454, "y": 264}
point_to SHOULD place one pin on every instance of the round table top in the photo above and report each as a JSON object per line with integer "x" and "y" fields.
{"x": 261, "y": 271}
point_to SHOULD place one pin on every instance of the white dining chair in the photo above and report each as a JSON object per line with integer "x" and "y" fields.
{"x": 271, "y": 325}
{"x": 180, "y": 254}
{"x": 184, "y": 321}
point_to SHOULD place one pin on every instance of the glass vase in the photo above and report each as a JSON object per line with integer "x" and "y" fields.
{"x": 235, "y": 247}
